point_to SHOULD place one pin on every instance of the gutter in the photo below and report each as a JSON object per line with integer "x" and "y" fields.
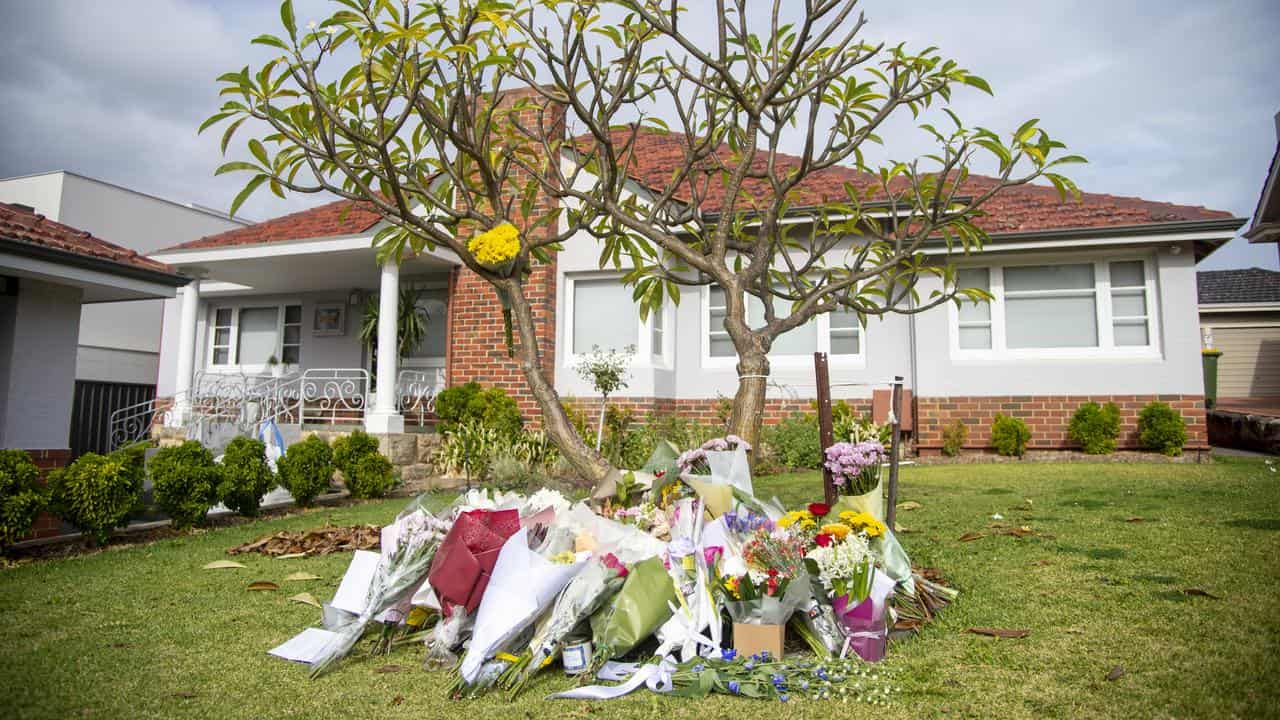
{"x": 88, "y": 262}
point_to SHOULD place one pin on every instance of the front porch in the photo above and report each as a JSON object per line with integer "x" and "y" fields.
{"x": 305, "y": 334}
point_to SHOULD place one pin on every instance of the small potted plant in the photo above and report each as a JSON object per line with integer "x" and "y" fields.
{"x": 277, "y": 370}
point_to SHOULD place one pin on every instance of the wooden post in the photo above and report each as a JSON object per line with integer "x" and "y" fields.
{"x": 826, "y": 436}
{"x": 891, "y": 513}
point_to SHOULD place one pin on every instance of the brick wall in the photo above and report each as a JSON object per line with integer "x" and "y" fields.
{"x": 706, "y": 410}
{"x": 1048, "y": 417}
{"x": 47, "y": 525}
{"x": 477, "y": 347}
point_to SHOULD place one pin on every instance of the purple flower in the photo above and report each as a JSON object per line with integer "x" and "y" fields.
{"x": 728, "y": 655}
{"x": 734, "y": 687}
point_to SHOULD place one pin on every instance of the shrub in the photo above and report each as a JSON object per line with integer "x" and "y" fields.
{"x": 21, "y": 496}
{"x": 246, "y": 476}
{"x": 134, "y": 458}
{"x": 795, "y": 442}
{"x": 371, "y": 476}
{"x": 185, "y": 482}
{"x": 1162, "y": 429}
{"x": 348, "y": 450}
{"x": 510, "y": 473}
{"x": 305, "y": 469}
{"x": 491, "y": 407}
{"x": 954, "y": 436}
{"x": 1009, "y": 435}
{"x": 1095, "y": 427}
{"x": 95, "y": 494}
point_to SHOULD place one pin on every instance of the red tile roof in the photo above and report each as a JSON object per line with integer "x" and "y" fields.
{"x": 21, "y": 225}
{"x": 343, "y": 217}
{"x": 1020, "y": 209}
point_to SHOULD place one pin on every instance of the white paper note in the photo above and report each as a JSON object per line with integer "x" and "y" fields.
{"x": 353, "y": 591}
{"x": 305, "y": 647}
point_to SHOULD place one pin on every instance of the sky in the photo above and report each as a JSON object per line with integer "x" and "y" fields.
{"x": 1172, "y": 101}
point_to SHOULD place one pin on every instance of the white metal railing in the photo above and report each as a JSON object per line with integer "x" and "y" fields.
{"x": 333, "y": 395}
{"x": 416, "y": 392}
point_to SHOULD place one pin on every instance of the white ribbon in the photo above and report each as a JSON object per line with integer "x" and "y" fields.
{"x": 655, "y": 676}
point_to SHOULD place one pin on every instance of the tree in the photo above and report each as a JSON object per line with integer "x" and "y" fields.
{"x": 414, "y": 122}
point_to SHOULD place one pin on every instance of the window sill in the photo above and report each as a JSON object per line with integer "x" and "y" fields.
{"x": 1016, "y": 357}
{"x": 853, "y": 362}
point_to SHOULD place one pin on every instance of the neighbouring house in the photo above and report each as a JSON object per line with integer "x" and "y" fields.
{"x": 50, "y": 272}
{"x": 1240, "y": 315}
{"x": 117, "y": 359}
{"x": 1094, "y": 300}
{"x": 1265, "y": 227}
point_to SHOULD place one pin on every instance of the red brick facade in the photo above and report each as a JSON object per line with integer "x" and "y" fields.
{"x": 477, "y": 346}
{"x": 47, "y": 525}
{"x": 1047, "y": 416}
{"x": 705, "y": 410}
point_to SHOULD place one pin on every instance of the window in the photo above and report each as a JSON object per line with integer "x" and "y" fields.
{"x": 433, "y": 307}
{"x": 837, "y": 333}
{"x": 1068, "y": 307}
{"x": 251, "y": 336}
{"x": 657, "y": 331}
{"x": 603, "y": 316}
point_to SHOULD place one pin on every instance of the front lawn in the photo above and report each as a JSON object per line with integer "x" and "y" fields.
{"x": 144, "y": 632}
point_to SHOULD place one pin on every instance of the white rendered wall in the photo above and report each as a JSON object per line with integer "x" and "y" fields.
{"x": 40, "y": 382}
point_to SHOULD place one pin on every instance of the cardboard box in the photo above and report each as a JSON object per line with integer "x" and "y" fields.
{"x": 751, "y": 639}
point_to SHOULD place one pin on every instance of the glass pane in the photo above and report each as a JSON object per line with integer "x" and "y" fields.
{"x": 290, "y": 354}
{"x": 220, "y": 356}
{"x": 1051, "y": 322}
{"x": 722, "y": 346}
{"x": 975, "y": 338}
{"x": 603, "y": 315}
{"x": 222, "y": 317}
{"x": 976, "y": 278}
{"x": 1127, "y": 274}
{"x": 1048, "y": 277}
{"x": 433, "y": 307}
{"x": 798, "y": 341}
{"x": 844, "y": 344}
{"x": 841, "y": 319}
{"x": 717, "y": 296}
{"x": 1128, "y": 303}
{"x": 222, "y": 336}
{"x": 974, "y": 312}
{"x": 293, "y": 314}
{"x": 257, "y": 335}
{"x": 1130, "y": 333}
{"x": 292, "y": 334}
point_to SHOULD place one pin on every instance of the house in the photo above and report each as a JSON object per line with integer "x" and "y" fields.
{"x": 1266, "y": 218}
{"x": 1240, "y": 315}
{"x": 1093, "y": 301}
{"x": 117, "y": 359}
{"x": 50, "y": 272}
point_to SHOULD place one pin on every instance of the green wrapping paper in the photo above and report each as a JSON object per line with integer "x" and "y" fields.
{"x": 893, "y": 559}
{"x": 635, "y": 613}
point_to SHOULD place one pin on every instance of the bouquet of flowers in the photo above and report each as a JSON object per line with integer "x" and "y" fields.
{"x": 696, "y": 461}
{"x": 758, "y": 585}
{"x": 843, "y": 562}
{"x": 413, "y": 541}
{"x": 855, "y": 468}
{"x": 577, "y": 602}
{"x": 641, "y": 606}
{"x": 695, "y": 622}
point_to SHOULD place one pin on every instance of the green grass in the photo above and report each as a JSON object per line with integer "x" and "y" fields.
{"x": 143, "y": 632}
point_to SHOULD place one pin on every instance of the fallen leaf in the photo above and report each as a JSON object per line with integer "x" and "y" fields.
{"x": 306, "y": 599}
{"x": 1042, "y": 563}
{"x": 263, "y": 585}
{"x": 970, "y": 536}
{"x": 902, "y": 530}
{"x": 1200, "y": 592}
{"x": 397, "y": 700}
{"x": 910, "y": 505}
{"x": 318, "y": 541}
{"x": 998, "y": 632}
{"x": 388, "y": 669}
{"x": 291, "y": 556}
{"x": 1134, "y": 519}
{"x": 300, "y": 577}
{"x": 185, "y": 694}
{"x": 1115, "y": 674}
{"x": 1022, "y": 531}
{"x": 222, "y": 565}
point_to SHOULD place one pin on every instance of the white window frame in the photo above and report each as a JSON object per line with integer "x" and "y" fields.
{"x": 234, "y": 347}
{"x": 436, "y": 362}
{"x": 805, "y": 360}
{"x": 1106, "y": 348}
{"x": 646, "y": 355}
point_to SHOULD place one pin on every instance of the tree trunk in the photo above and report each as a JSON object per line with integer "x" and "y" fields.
{"x": 586, "y": 462}
{"x": 748, "y": 402}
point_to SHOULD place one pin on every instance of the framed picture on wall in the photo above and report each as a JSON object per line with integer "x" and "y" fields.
{"x": 331, "y": 319}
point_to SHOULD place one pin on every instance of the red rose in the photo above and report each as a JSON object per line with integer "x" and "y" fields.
{"x": 773, "y": 573}
{"x": 823, "y": 539}
{"x": 819, "y": 509}
{"x": 660, "y": 473}
{"x": 772, "y": 584}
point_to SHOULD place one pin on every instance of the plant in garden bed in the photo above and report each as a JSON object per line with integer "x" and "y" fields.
{"x": 246, "y": 477}
{"x": 367, "y": 473}
{"x": 954, "y": 436}
{"x": 795, "y": 442}
{"x": 470, "y": 403}
{"x": 1096, "y": 427}
{"x": 21, "y": 496}
{"x": 306, "y": 468}
{"x": 94, "y": 493}
{"x": 608, "y": 371}
{"x": 1009, "y": 435}
{"x": 186, "y": 482}
{"x": 1162, "y": 429}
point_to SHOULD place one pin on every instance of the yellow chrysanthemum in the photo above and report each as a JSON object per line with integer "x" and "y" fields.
{"x": 863, "y": 522}
{"x": 496, "y": 246}
{"x": 836, "y": 530}
{"x": 793, "y": 517}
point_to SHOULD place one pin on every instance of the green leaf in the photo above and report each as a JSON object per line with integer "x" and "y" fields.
{"x": 246, "y": 192}
{"x": 286, "y": 17}
{"x": 977, "y": 82}
{"x": 259, "y": 151}
{"x": 235, "y": 165}
{"x": 270, "y": 40}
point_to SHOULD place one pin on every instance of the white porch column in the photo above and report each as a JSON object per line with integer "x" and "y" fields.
{"x": 186, "y": 354}
{"x": 385, "y": 418}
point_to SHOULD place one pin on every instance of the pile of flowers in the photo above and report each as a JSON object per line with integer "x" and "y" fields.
{"x": 855, "y": 467}
{"x": 500, "y": 587}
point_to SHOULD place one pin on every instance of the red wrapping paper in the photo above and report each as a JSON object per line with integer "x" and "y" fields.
{"x": 460, "y": 571}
